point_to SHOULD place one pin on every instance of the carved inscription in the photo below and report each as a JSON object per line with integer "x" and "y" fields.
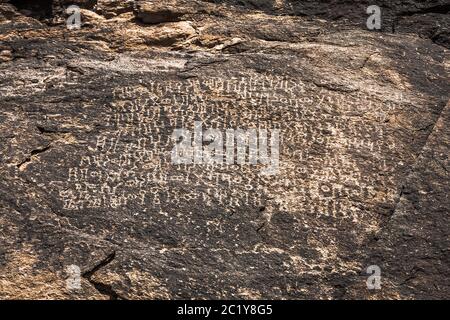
{"x": 325, "y": 137}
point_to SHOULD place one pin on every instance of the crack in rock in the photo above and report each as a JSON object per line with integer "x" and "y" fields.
{"x": 103, "y": 288}
{"x": 21, "y": 166}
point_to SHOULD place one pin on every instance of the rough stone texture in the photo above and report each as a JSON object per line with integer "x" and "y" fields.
{"x": 86, "y": 118}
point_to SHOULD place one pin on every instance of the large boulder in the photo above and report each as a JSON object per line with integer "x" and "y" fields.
{"x": 93, "y": 205}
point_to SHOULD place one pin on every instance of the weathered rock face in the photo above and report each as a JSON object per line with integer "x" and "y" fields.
{"x": 88, "y": 186}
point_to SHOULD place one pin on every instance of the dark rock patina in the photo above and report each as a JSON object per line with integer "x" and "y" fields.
{"x": 86, "y": 178}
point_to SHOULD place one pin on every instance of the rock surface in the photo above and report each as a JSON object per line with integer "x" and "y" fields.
{"x": 86, "y": 178}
